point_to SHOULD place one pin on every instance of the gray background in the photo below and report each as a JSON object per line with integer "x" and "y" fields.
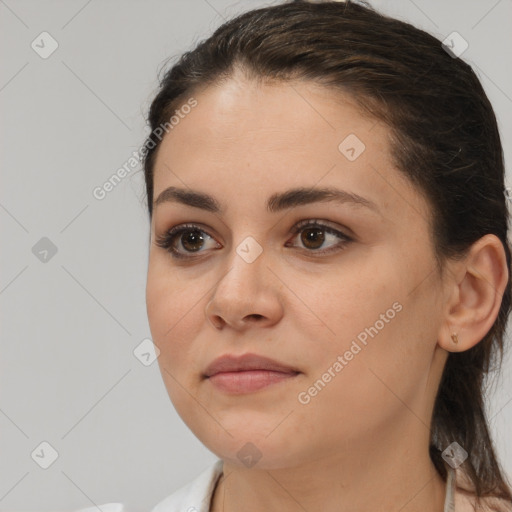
{"x": 69, "y": 326}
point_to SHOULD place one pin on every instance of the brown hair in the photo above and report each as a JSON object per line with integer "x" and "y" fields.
{"x": 444, "y": 138}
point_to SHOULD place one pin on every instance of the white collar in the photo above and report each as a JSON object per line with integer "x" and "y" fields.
{"x": 197, "y": 495}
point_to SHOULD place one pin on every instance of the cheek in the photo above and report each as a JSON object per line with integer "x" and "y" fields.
{"x": 365, "y": 389}
{"x": 384, "y": 333}
{"x": 344, "y": 303}
{"x": 173, "y": 319}
{"x": 173, "y": 306}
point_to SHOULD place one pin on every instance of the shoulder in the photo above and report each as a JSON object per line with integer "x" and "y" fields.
{"x": 193, "y": 497}
{"x": 466, "y": 500}
{"x": 196, "y": 495}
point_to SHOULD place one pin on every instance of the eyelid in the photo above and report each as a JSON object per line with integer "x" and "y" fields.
{"x": 167, "y": 239}
{"x": 325, "y": 224}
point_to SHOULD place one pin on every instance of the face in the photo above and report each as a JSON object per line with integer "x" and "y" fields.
{"x": 340, "y": 288}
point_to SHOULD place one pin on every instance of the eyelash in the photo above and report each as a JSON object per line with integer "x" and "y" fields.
{"x": 166, "y": 241}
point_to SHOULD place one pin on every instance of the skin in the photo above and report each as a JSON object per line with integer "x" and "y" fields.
{"x": 360, "y": 444}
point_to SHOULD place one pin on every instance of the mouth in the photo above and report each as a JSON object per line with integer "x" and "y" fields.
{"x": 247, "y": 381}
{"x": 247, "y": 374}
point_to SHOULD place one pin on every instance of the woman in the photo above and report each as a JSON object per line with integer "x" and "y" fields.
{"x": 328, "y": 280}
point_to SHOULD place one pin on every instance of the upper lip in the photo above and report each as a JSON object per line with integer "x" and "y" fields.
{"x": 232, "y": 363}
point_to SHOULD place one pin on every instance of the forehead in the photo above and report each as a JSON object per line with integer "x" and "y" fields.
{"x": 251, "y": 137}
{"x": 272, "y": 115}
{"x": 242, "y": 123}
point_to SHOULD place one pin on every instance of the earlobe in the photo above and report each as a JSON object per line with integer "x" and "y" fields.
{"x": 477, "y": 295}
{"x": 452, "y": 339}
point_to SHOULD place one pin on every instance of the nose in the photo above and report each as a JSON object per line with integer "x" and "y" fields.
{"x": 247, "y": 294}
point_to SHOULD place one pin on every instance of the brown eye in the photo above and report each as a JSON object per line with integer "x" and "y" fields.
{"x": 314, "y": 235}
{"x": 183, "y": 240}
{"x": 192, "y": 240}
{"x": 313, "y": 238}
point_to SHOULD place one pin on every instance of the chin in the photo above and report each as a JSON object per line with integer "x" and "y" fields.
{"x": 255, "y": 450}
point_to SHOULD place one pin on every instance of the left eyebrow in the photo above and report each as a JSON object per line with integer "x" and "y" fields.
{"x": 277, "y": 202}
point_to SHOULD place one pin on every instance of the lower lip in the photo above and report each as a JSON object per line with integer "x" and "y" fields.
{"x": 248, "y": 381}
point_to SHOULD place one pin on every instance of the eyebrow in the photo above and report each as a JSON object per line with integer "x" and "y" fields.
{"x": 276, "y": 202}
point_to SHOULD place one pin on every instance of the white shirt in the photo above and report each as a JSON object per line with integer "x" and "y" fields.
{"x": 197, "y": 494}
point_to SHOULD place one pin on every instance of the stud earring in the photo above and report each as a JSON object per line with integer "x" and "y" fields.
{"x": 455, "y": 338}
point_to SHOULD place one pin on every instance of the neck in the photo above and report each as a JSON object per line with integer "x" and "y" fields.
{"x": 380, "y": 476}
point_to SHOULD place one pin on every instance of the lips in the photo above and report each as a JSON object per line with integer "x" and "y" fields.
{"x": 246, "y": 362}
{"x": 240, "y": 375}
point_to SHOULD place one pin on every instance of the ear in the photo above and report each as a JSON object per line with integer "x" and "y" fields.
{"x": 475, "y": 289}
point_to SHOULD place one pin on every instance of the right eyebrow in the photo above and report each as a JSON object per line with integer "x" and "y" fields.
{"x": 276, "y": 203}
